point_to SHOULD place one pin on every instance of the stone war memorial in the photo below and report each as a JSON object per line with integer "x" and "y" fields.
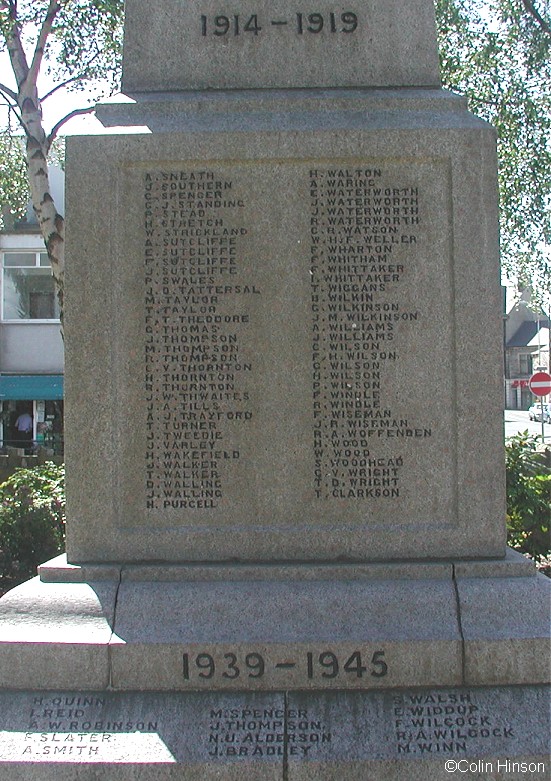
{"x": 286, "y": 550}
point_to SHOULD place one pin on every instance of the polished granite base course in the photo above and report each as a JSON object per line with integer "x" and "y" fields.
{"x": 286, "y": 628}
{"x": 491, "y": 733}
{"x": 315, "y": 673}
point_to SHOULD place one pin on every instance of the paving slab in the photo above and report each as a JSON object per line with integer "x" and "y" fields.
{"x": 54, "y": 635}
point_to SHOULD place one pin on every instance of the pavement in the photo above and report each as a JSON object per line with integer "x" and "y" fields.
{"x": 517, "y": 422}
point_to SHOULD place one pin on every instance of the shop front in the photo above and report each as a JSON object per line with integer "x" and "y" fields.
{"x": 32, "y": 413}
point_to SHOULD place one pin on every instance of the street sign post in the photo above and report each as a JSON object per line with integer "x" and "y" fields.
{"x": 540, "y": 385}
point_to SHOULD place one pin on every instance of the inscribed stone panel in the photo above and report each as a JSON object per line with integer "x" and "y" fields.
{"x": 205, "y": 44}
{"x": 292, "y": 324}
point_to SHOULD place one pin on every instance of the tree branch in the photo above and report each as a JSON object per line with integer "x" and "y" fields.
{"x": 71, "y": 80}
{"x": 15, "y": 48}
{"x": 45, "y": 30}
{"x": 535, "y": 14}
{"x": 56, "y": 128}
{"x": 57, "y": 87}
{"x": 9, "y": 93}
{"x": 10, "y": 6}
{"x": 14, "y": 108}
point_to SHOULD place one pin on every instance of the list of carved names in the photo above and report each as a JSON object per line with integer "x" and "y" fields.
{"x": 364, "y": 231}
{"x": 361, "y": 234}
{"x": 196, "y": 309}
{"x": 81, "y": 727}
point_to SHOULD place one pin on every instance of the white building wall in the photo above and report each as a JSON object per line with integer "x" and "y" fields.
{"x": 31, "y": 348}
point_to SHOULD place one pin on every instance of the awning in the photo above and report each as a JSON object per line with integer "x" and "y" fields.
{"x": 42, "y": 387}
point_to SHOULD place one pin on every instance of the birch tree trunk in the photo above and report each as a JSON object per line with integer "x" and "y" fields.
{"x": 52, "y": 225}
{"x": 37, "y": 143}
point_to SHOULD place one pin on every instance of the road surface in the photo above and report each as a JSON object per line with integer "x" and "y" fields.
{"x": 516, "y": 422}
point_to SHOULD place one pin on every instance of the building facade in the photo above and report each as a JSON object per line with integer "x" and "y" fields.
{"x": 526, "y": 351}
{"x": 31, "y": 345}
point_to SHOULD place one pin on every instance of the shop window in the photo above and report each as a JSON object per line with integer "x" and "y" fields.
{"x": 49, "y": 425}
{"x": 32, "y": 424}
{"x": 525, "y": 364}
{"x": 28, "y": 289}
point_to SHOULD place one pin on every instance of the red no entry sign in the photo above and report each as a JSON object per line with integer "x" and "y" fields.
{"x": 540, "y": 383}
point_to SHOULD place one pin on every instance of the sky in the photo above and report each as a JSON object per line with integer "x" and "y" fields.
{"x": 60, "y": 104}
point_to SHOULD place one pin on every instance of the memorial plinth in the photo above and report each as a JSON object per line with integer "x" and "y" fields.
{"x": 285, "y": 542}
{"x": 281, "y": 320}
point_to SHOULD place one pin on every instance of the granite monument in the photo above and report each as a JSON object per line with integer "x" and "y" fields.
{"x": 286, "y": 550}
